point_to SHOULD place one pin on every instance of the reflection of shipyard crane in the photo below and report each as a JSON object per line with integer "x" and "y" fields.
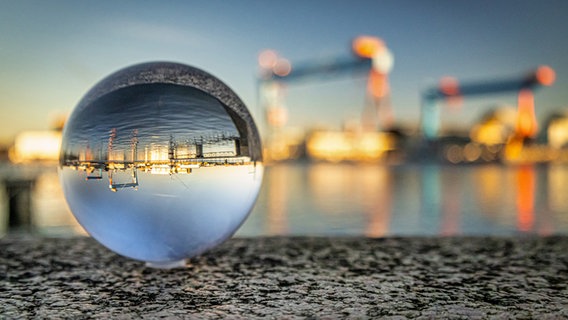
{"x": 450, "y": 89}
{"x": 220, "y": 148}
{"x": 114, "y": 165}
{"x": 371, "y": 54}
{"x": 113, "y": 186}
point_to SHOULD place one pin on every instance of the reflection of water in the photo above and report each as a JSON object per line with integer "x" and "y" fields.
{"x": 324, "y": 199}
{"x": 375, "y": 200}
{"x": 50, "y": 211}
{"x": 142, "y": 121}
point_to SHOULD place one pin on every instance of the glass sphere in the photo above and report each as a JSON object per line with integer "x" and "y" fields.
{"x": 160, "y": 162}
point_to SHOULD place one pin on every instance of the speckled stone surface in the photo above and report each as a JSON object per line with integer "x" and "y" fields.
{"x": 393, "y": 278}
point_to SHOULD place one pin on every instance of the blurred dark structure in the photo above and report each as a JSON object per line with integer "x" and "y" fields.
{"x": 19, "y": 194}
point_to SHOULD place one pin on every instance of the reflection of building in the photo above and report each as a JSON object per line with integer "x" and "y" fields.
{"x": 158, "y": 159}
{"x": 349, "y": 146}
{"x": 114, "y": 186}
{"x": 557, "y": 131}
{"x": 36, "y": 146}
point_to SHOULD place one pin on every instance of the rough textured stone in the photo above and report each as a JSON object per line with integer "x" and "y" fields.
{"x": 292, "y": 278}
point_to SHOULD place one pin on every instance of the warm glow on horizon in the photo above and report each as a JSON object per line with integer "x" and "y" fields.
{"x": 344, "y": 146}
{"x": 36, "y": 146}
{"x": 491, "y": 132}
{"x": 558, "y": 133}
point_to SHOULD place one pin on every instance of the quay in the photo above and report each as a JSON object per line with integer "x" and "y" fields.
{"x": 292, "y": 278}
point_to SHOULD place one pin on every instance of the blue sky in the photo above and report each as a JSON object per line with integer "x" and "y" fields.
{"x": 51, "y": 53}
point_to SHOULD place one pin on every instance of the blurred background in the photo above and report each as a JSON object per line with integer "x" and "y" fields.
{"x": 378, "y": 118}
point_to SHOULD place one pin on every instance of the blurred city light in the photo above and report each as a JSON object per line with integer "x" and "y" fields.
{"x": 349, "y": 146}
{"x": 367, "y": 46}
{"x": 32, "y": 146}
{"x": 545, "y": 75}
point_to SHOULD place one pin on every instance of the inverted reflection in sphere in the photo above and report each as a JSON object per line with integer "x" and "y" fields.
{"x": 160, "y": 162}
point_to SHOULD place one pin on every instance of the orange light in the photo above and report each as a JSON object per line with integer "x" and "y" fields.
{"x": 36, "y": 145}
{"x": 282, "y": 67}
{"x": 377, "y": 85}
{"x": 526, "y": 118}
{"x": 367, "y": 46}
{"x": 340, "y": 146}
{"x": 277, "y": 116}
{"x": 267, "y": 59}
{"x": 545, "y": 75}
{"x": 449, "y": 86}
{"x": 525, "y": 197}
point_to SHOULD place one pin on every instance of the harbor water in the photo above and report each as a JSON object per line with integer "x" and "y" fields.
{"x": 323, "y": 199}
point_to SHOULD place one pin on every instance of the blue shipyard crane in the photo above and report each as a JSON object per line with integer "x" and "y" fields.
{"x": 449, "y": 89}
{"x": 370, "y": 54}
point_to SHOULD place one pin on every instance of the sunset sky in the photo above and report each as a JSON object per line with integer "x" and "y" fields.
{"x": 52, "y": 52}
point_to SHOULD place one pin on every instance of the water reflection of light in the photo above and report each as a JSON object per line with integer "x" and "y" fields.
{"x": 557, "y": 180}
{"x": 50, "y": 212}
{"x": 525, "y": 197}
{"x": 377, "y": 197}
{"x": 367, "y": 187}
{"x": 330, "y": 184}
{"x": 430, "y": 197}
{"x": 451, "y": 204}
{"x": 489, "y": 192}
{"x": 375, "y": 200}
{"x": 278, "y": 201}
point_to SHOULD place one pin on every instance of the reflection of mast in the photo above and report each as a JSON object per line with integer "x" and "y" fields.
{"x": 97, "y": 176}
{"x": 111, "y": 138}
{"x": 134, "y": 145}
{"x": 172, "y": 150}
{"x": 115, "y": 186}
{"x": 199, "y": 148}
{"x": 237, "y": 147}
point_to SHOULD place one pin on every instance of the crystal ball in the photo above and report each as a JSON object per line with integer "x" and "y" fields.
{"x": 160, "y": 162}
